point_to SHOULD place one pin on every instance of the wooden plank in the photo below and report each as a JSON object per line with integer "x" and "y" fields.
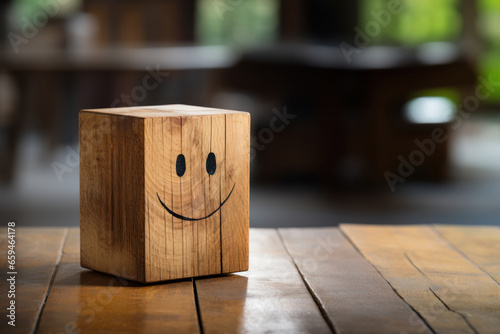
{"x": 269, "y": 298}
{"x": 235, "y": 214}
{"x": 350, "y": 291}
{"x": 37, "y": 254}
{"x": 480, "y": 244}
{"x": 89, "y": 302}
{"x": 447, "y": 290}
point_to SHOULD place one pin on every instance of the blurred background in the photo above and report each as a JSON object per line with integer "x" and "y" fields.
{"x": 363, "y": 111}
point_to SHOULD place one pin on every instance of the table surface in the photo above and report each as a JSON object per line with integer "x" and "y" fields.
{"x": 351, "y": 279}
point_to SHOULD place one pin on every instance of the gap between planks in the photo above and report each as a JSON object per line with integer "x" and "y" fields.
{"x": 453, "y": 253}
{"x": 456, "y": 249}
{"x": 392, "y": 287}
{"x": 332, "y": 313}
{"x": 54, "y": 272}
{"x": 318, "y": 302}
{"x": 197, "y": 304}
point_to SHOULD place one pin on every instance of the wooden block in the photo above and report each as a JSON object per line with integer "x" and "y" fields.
{"x": 38, "y": 251}
{"x": 164, "y": 191}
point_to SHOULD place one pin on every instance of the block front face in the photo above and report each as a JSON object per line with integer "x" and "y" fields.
{"x": 196, "y": 194}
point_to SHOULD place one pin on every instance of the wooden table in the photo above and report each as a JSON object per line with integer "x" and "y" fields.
{"x": 352, "y": 279}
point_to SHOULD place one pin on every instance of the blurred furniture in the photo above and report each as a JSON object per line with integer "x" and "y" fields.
{"x": 56, "y": 83}
{"x": 143, "y": 23}
{"x": 318, "y": 20}
{"x": 349, "y": 125}
{"x": 352, "y": 279}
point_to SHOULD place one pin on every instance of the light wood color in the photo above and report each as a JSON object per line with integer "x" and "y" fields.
{"x": 480, "y": 244}
{"x": 349, "y": 290}
{"x": 38, "y": 252}
{"x": 234, "y": 215}
{"x": 128, "y": 164}
{"x": 452, "y": 294}
{"x": 112, "y": 201}
{"x": 270, "y": 298}
{"x": 83, "y": 301}
{"x": 344, "y": 290}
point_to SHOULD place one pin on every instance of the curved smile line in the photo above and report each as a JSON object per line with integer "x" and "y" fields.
{"x": 176, "y": 215}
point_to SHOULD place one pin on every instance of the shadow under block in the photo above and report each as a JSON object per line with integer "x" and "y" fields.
{"x": 147, "y": 216}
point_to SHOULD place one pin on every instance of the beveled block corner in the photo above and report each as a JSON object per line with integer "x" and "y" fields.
{"x": 164, "y": 191}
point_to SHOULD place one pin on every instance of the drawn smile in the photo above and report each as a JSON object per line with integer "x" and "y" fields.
{"x": 176, "y": 215}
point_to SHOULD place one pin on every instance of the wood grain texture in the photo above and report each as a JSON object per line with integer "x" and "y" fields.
{"x": 213, "y": 195}
{"x": 38, "y": 252}
{"x": 171, "y": 110}
{"x": 178, "y": 226}
{"x": 129, "y": 176}
{"x": 83, "y": 301}
{"x": 350, "y": 291}
{"x": 452, "y": 294}
{"x": 270, "y": 298}
{"x": 159, "y": 224}
{"x": 112, "y": 201}
{"x": 480, "y": 244}
{"x": 235, "y": 213}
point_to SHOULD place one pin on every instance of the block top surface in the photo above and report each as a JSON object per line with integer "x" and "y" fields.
{"x": 169, "y": 110}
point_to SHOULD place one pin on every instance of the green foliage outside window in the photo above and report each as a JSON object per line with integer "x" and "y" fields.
{"x": 419, "y": 21}
{"x": 432, "y": 20}
{"x": 238, "y": 23}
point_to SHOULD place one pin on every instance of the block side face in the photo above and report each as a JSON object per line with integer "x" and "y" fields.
{"x": 235, "y": 214}
{"x": 112, "y": 194}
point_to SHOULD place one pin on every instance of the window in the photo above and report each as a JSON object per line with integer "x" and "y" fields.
{"x": 238, "y": 23}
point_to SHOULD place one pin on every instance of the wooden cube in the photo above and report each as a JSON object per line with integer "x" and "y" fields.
{"x": 164, "y": 191}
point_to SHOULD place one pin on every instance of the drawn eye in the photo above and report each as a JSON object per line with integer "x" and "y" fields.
{"x": 211, "y": 164}
{"x": 180, "y": 165}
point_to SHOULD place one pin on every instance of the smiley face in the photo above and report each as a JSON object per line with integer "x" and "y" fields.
{"x": 180, "y": 168}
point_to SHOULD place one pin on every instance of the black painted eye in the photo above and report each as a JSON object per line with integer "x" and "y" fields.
{"x": 180, "y": 165}
{"x": 211, "y": 164}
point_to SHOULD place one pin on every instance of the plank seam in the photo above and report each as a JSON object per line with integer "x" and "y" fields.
{"x": 197, "y": 304}
{"x": 393, "y": 289}
{"x": 452, "y": 246}
{"x": 316, "y": 299}
{"x": 52, "y": 278}
{"x": 451, "y": 310}
{"x": 414, "y": 265}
